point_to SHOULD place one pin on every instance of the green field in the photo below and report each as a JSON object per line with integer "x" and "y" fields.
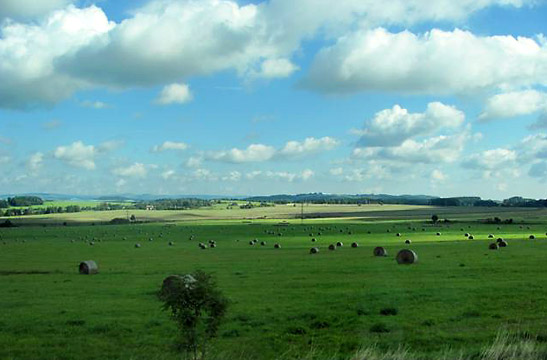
{"x": 284, "y": 303}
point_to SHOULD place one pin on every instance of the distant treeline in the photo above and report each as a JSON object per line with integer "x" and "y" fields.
{"x": 173, "y": 204}
{"x": 515, "y": 201}
{"x": 320, "y": 198}
{"x": 21, "y": 201}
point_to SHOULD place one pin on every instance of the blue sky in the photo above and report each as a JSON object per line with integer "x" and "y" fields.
{"x": 281, "y": 96}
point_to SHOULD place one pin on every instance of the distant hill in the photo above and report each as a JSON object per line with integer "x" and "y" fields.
{"x": 320, "y": 198}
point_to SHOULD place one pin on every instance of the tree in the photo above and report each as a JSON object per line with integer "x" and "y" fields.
{"x": 132, "y": 218}
{"x": 434, "y": 218}
{"x": 197, "y": 306}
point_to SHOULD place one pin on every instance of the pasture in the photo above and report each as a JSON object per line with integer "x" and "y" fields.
{"x": 284, "y": 303}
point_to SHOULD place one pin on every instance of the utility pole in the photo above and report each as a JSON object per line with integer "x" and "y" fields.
{"x": 302, "y": 212}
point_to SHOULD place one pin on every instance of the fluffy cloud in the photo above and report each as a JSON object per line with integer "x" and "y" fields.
{"x": 294, "y": 149}
{"x": 253, "y": 153}
{"x": 174, "y": 94}
{"x": 170, "y": 145}
{"x": 29, "y": 54}
{"x": 276, "y": 68}
{"x": 35, "y": 161}
{"x": 280, "y": 175}
{"x": 70, "y": 49}
{"x": 17, "y": 9}
{"x": 137, "y": 170}
{"x": 532, "y": 147}
{"x": 437, "y": 62}
{"x": 491, "y": 159}
{"x": 539, "y": 170}
{"x": 77, "y": 154}
{"x": 261, "y": 152}
{"x": 441, "y": 148}
{"x": 95, "y": 104}
{"x": 168, "y": 174}
{"x": 513, "y": 104}
{"x": 390, "y": 127}
{"x": 437, "y": 176}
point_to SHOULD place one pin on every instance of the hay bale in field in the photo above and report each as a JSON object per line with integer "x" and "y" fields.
{"x": 91, "y": 243}
{"x": 313, "y": 240}
{"x": 263, "y": 243}
{"x": 354, "y": 245}
{"x": 314, "y": 250}
{"x": 332, "y": 247}
{"x": 408, "y": 241}
{"x": 88, "y": 267}
{"x": 388, "y": 230}
{"x": 398, "y": 234}
{"x": 380, "y": 251}
{"x": 202, "y": 246}
{"x": 493, "y": 246}
{"x": 171, "y": 243}
{"x": 471, "y": 237}
{"x": 406, "y": 257}
{"x": 498, "y": 240}
{"x": 277, "y": 246}
{"x": 339, "y": 244}
{"x": 502, "y": 243}
{"x": 213, "y": 245}
{"x": 438, "y": 234}
{"x": 150, "y": 239}
{"x": 137, "y": 246}
{"x": 466, "y": 234}
{"x": 251, "y": 242}
{"x": 531, "y": 237}
{"x": 490, "y": 236}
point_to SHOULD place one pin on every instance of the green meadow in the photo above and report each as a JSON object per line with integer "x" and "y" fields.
{"x": 284, "y": 303}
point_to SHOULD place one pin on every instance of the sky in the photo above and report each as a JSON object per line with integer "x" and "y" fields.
{"x": 443, "y": 97}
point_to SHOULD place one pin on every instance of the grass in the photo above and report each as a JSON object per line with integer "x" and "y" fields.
{"x": 285, "y": 303}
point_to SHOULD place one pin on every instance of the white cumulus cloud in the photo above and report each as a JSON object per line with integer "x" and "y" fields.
{"x": 170, "y": 145}
{"x": 174, "y": 94}
{"x": 436, "y": 62}
{"x": 390, "y": 127}
{"x": 77, "y": 155}
{"x": 137, "y": 170}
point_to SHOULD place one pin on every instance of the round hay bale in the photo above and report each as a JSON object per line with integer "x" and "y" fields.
{"x": 213, "y": 245}
{"x": 314, "y": 250}
{"x": 388, "y": 230}
{"x": 498, "y": 240}
{"x": 332, "y": 247}
{"x": 398, "y": 234}
{"x": 171, "y": 243}
{"x": 88, "y": 267}
{"x": 137, "y": 246}
{"x": 493, "y": 246}
{"x": 313, "y": 240}
{"x": 380, "y": 251}
{"x": 502, "y": 243}
{"x": 490, "y": 236}
{"x": 251, "y": 242}
{"x": 531, "y": 237}
{"x": 408, "y": 241}
{"x": 466, "y": 234}
{"x": 91, "y": 243}
{"x": 150, "y": 239}
{"x": 471, "y": 237}
{"x": 354, "y": 245}
{"x": 277, "y": 246}
{"x": 438, "y": 234}
{"x": 406, "y": 257}
{"x": 263, "y": 243}
{"x": 339, "y": 244}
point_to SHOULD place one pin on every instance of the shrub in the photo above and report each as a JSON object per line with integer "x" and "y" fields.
{"x": 197, "y": 306}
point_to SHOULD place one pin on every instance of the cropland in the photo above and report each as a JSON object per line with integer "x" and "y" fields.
{"x": 285, "y": 303}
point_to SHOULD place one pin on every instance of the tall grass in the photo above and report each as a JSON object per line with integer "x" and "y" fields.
{"x": 506, "y": 346}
